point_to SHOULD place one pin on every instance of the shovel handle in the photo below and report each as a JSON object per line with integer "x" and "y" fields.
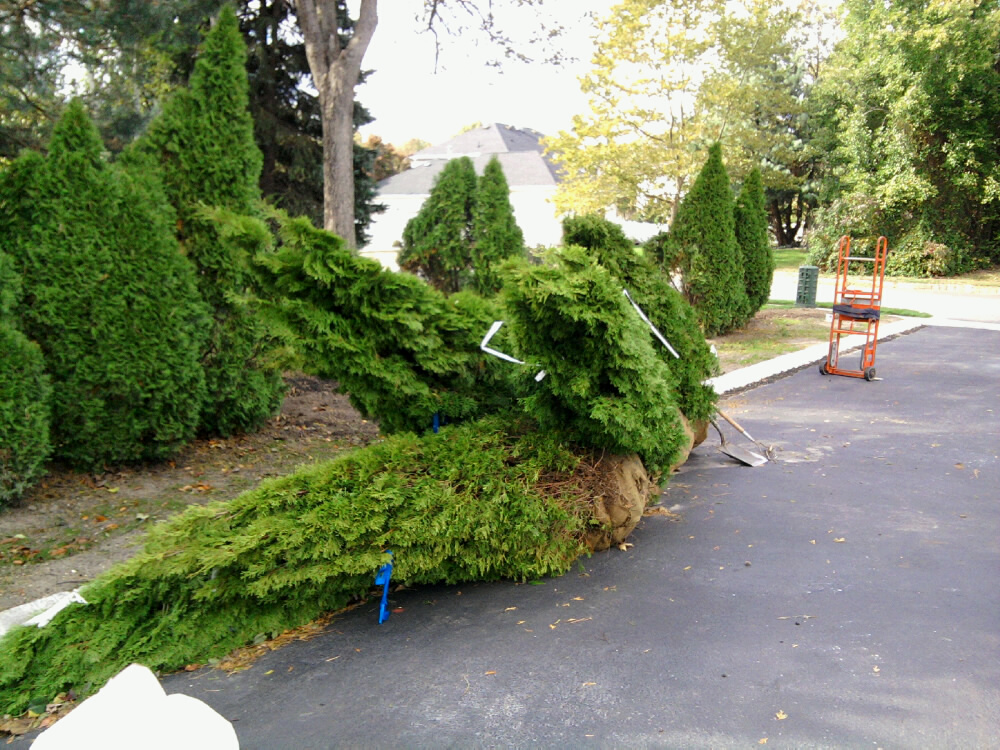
{"x": 734, "y": 423}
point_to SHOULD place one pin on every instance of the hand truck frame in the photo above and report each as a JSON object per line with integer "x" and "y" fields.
{"x": 856, "y": 310}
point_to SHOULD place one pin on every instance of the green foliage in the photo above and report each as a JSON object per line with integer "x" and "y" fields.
{"x": 495, "y": 234}
{"x": 24, "y": 413}
{"x": 733, "y": 72}
{"x": 756, "y": 257}
{"x": 24, "y": 397}
{"x": 913, "y": 92}
{"x": 436, "y": 242}
{"x": 461, "y": 505}
{"x": 402, "y": 350}
{"x": 604, "y": 384}
{"x": 705, "y": 236}
{"x": 204, "y": 145}
{"x": 663, "y": 305}
{"x": 107, "y": 297}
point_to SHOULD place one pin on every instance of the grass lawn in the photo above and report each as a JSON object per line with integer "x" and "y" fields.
{"x": 787, "y": 303}
{"x": 789, "y": 258}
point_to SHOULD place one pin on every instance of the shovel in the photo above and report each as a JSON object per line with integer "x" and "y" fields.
{"x": 743, "y": 455}
{"x": 767, "y": 450}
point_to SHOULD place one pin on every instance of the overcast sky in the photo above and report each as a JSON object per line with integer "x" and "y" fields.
{"x": 410, "y": 100}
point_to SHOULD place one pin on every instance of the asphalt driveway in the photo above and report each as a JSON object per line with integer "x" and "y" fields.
{"x": 846, "y": 596}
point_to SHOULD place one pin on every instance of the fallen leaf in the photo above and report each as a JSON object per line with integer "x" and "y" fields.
{"x": 521, "y": 622}
{"x": 624, "y": 546}
{"x": 762, "y": 741}
{"x": 812, "y": 541}
{"x": 270, "y": 671}
{"x": 840, "y": 539}
{"x": 397, "y": 610}
{"x": 577, "y": 598}
{"x": 589, "y": 684}
{"x": 959, "y": 466}
{"x": 510, "y": 609}
{"x": 333, "y": 658}
{"x": 781, "y": 715}
{"x": 876, "y": 670}
{"x": 492, "y": 671}
{"x": 112, "y": 490}
{"x": 688, "y": 568}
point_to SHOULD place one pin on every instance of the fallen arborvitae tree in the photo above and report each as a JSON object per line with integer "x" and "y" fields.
{"x": 517, "y": 495}
{"x": 483, "y": 501}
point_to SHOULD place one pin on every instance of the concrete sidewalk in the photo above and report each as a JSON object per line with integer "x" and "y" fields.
{"x": 844, "y": 596}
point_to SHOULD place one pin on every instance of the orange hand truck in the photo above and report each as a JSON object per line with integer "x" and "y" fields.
{"x": 856, "y": 311}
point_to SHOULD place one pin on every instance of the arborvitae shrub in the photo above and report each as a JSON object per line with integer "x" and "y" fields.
{"x": 437, "y": 241}
{"x": 495, "y": 233}
{"x": 107, "y": 297}
{"x": 203, "y": 143}
{"x": 461, "y": 505}
{"x": 24, "y": 414}
{"x": 704, "y": 234}
{"x": 663, "y": 305}
{"x": 24, "y": 397}
{"x": 402, "y": 350}
{"x": 604, "y": 384}
{"x": 750, "y": 218}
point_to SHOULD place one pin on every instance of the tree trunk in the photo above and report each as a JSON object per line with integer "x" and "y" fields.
{"x": 336, "y": 68}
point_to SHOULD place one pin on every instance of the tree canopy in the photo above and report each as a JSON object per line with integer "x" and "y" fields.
{"x": 913, "y": 92}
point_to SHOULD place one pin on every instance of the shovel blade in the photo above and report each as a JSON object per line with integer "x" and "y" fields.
{"x": 744, "y": 456}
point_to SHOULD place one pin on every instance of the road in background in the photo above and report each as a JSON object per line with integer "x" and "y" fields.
{"x": 943, "y": 300}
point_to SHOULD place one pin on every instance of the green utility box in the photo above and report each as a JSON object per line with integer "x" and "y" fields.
{"x": 805, "y": 296}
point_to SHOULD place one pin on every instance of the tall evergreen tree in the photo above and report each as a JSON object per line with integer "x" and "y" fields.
{"x": 436, "y": 241}
{"x": 757, "y": 258}
{"x": 705, "y": 237}
{"x": 495, "y": 233}
{"x": 205, "y": 146}
{"x": 108, "y": 298}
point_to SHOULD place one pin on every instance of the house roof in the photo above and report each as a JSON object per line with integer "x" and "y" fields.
{"x": 520, "y": 153}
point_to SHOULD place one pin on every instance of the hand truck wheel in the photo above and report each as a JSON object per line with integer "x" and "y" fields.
{"x": 870, "y": 373}
{"x": 822, "y": 369}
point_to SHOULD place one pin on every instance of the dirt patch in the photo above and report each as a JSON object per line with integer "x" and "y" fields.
{"x": 74, "y": 526}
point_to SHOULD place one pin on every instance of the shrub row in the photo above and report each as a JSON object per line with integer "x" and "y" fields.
{"x": 133, "y": 296}
{"x": 720, "y": 247}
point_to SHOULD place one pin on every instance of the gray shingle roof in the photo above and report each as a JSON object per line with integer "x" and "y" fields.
{"x": 519, "y": 153}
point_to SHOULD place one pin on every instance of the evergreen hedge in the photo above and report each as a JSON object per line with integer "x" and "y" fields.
{"x": 466, "y": 504}
{"x": 750, "y": 219}
{"x": 495, "y": 233}
{"x": 24, "y": 397}
{"x": 437, "y": 240}
{"x": 604, "y": 384}
{"x": 705, "y": 236}
{"x": 665, "y": 307}
{"x": 204, "y": 145}
{"x": 108, "y": 298}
